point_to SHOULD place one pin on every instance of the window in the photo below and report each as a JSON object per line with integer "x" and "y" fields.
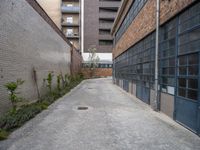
{"x": 188, "y": 76}
{"x": 189, "y": 31}
{"x": 167, "y": 59}
{"x": 69, "y": 20}
{"x": 69, "y": 5}
{"x": 130, "y": 16}
{"x": 137, "y": 63}
{"x": 69, "y": 32}
{"x": 179, "y": 49}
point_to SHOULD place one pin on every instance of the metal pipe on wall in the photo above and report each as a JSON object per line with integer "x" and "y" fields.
{"x": 156, "y": 101}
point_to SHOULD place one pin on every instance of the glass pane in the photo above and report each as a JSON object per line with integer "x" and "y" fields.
{"x": 165, "y": 71}
{"x": 183, "y": 60}
{"x": 183, "y": 39}
{"x": 182, "y": 92}
{"x": 172, "y": 42}
{"x": 193, "y": 59}
{"x": 171, "y": 71}
{"x": 183, "y": 49}
{"x": 172, "y": 52}
{"x": 193, "y": 70}
{"x": 171, "y": 81}
{"x": 165, "y": 63}
{"x": 194, "y": 35}
{"x": 182, "y": 70}
{"x": 182, "y": 82}
{"x": 171, "y": 62}
{"x": 193, "y": 83}
{"x": 192, "y": 94}
{"x": 164, "y": 80}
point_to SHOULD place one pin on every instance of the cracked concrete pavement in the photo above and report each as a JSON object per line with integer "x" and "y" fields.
{"x": 114, "y": 120}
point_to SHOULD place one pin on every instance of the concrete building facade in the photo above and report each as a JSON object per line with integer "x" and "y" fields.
{"x": 71, "y": 21}
{"x": 98, "y": 17}
{"x": 178, "y": 59}
{"x": 31, "y": 46}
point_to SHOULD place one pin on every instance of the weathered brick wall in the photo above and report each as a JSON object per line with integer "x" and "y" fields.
{"x": 99, "y": 72}
{"x": 27, "y": 41}
{"x": 145, "y": 22}
{"x": 76, "y": 61}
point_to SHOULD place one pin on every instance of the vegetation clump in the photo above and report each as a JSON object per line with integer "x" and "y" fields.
{"x": 12, "y": 88}
{"x": 14, "y": 119}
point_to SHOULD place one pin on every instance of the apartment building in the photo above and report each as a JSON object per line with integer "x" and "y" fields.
{"x": 134, "y": 52}
{"x": 70, "y": 21}
{"x": 98, "y": 18}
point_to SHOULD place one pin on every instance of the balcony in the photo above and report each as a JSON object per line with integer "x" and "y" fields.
{"x": 105, "y": 37}
{"x": 109, "y": 4}
{"x": 72, "y": 36}
{"x": 105, "y": 25}
{"x": 70, "y": 9}
{"x": 107, "y": 15}
{"x": 67, "y": 24}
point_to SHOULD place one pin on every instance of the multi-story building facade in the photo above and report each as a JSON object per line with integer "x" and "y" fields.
{"x": 86, "y": 23}
{"x": 70, "y": 21}
{"x": 98, "y": 17}
{"x": 178, "y": 60}
{"x": 66, "y": 15}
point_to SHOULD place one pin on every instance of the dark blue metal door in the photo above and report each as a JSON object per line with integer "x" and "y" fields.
{"x": 126, "y": 85}
{"x": 187, "y": 96}
{"x": 143, "y": 93}
{"x": 139, "y": 91}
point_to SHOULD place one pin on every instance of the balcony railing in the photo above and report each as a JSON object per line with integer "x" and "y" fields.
{"x": 70, "y": 9}
{"x": 105, "y": 25}
{"x": 110, "y": 15}
{"x": 68, "y": 24}
{"x": 72, "y": 35}
{"x": 105, "y": 36}
{"x": 111, "y": 4}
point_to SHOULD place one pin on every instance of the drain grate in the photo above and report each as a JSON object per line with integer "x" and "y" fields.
{"x": 82, "y": 108}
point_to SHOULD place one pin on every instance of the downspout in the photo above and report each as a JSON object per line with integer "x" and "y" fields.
{"x": 156, "y": 101}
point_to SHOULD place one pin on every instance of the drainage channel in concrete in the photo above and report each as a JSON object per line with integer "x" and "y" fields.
{"x": 82, "y": 107}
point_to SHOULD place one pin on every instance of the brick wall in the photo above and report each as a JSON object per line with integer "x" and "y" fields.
{"x": 76, "y": 61}
{"x": 28, "y": 41}
{"x": 145, "y": 22}
{"x": 99, "y": 72}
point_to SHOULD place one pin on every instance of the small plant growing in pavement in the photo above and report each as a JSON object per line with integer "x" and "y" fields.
{"x": 93, "y": 60}
{"x": 49, "y": 80}
{"x": 12, "y": 87}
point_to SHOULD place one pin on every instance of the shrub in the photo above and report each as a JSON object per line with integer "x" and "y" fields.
{"x": 48, "y": 81}
{"x": 15, "y": 119}
{"x": 12, "y": 87}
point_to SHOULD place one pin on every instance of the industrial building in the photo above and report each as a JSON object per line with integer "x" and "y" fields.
{"x": 134, "y": 56}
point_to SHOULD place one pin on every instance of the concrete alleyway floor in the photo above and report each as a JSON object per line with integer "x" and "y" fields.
{"x": 114, "y": 121}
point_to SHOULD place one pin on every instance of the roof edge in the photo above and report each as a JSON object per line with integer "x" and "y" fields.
{"x": 117, "y": 18}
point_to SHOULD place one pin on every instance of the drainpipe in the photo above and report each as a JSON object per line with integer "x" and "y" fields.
{"x": 155, "y": 105}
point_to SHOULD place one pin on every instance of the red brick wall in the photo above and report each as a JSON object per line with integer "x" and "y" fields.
{"x": 76, "y": 61}
{"x": 145, "y": 22}
{"x": 99, "y": 72}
